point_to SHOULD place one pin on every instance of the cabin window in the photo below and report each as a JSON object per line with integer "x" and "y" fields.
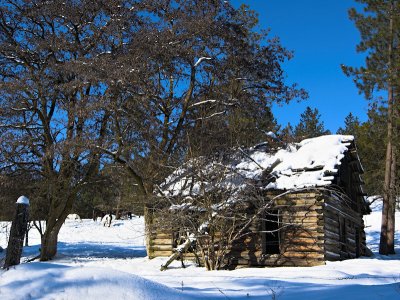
{"x": 270, "y": 235}
{"x": 178, "y": 237}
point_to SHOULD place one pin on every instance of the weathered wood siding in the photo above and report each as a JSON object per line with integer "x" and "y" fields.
{"x": 301, "y": 235}
{"x": 344, "y": 231}
{"x": 158, "y": 240}
{"x": 315, "y": 226}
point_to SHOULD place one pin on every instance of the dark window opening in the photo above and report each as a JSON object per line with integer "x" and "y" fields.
{"x": 270, "y": 233}
{"x": 178, "y": 238}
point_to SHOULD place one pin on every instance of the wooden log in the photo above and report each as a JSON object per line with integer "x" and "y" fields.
{"x": 296, "y": 201}
{"x": 319, "y": 243}
{"x": 161, "y": 247}
{"x": 303, "y": 234}
{"x": 301, "y": 196}
{"x": 332, "y": 256}
{"x": 331, "y": 213}
{"x": 332, "y": 235}
{"x": 161, "y": 253}
{"x": 190, "y": 255}
{"x": 159, "y": 233}
{"x": 157, "y": 241}
{"x": 309, "y": 245}
{"x": 306, "y": 248}
{"x": 163, "y": 235}
{"x": 332, "y": 248}
{"x": 331, "y": 228}
{"x": 344, "y": 255}
{"x": 305, "y": 219}
{"x": 350, "y": 241}
{"x": 181, "y": 249}
{"x": 278, "y": 262}
{"x": 304, "y": 240}
{"x": 308, "y": 254}
{"x": 17, "y": 233}
{"x": 291, "y": 251}
{"x": 290, "y": 208}
{"x": 332, "y": 241}
{"x": 350, "y": 231}
{"x": 346, "y": 213}
{"x": 332, "y": 222}
{"x": 304, "y": 214}
{"x": 305, "y": 227}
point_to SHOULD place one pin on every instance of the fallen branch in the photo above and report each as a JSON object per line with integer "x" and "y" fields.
{"x": 178, "y": 252}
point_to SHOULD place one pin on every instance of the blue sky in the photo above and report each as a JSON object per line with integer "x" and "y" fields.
{"x": 322, "y": 38}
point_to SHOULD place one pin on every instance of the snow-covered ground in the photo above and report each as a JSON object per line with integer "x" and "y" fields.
{"x": 96, "y": 262}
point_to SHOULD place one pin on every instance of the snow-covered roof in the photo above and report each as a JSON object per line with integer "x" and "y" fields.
{"x": 310, "y": 163}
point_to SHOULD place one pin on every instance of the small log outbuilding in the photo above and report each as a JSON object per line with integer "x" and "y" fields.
{"x": 315, "y": 212}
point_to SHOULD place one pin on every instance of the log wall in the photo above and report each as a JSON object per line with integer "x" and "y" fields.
{"x": 344, "y": 231}
{"x": 301, "y": 235}
{"x": 158, "y": 240}
{"x": 312, "y": 226}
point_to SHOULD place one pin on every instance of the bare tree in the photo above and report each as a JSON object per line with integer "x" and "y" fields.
{"x": 220, "y": 214}
{"x": 51, "y": 109}
{"x": 85, "y": 84}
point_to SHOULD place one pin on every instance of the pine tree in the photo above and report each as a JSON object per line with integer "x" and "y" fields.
{"x": 351, "y": 124}
{"x": 379, "y": 27}
{"x": 372, "y": 149}
{"x": 286, "y": 134}
{"x": 310, "y": 125}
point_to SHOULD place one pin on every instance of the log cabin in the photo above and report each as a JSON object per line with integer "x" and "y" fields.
{"x": 299, "y": 204}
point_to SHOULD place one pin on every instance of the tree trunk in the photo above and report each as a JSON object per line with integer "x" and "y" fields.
{"x": 49, "y": 243}
{"x": 386, "y": 245}
{"x": 57, "y": 215}
{"x": 392, "y": 205}
{"x": 179, "y": 252}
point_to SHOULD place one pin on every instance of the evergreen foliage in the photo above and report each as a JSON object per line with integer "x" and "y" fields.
{"x": 351, "y": 124}
{"x": 372, "y": 149}
{"x": 371, "y": 144}
{"x": 379, "y": 26}
{"x": 310, "y": 125}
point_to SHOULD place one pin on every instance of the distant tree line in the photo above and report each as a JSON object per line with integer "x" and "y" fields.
{"x": 371, "y": 144}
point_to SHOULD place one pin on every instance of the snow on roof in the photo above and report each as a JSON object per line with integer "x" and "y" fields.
{"x": 310, "y": 163}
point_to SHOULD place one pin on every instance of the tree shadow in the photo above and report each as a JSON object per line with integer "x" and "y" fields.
{"x": 88, "y": 250}
{"x": 96, "y": 250}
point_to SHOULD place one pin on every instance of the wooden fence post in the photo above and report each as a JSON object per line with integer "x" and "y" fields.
{"x": 17, "y": 233}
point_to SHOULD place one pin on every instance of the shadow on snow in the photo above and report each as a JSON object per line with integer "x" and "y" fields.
{"x": 90, "y": 250}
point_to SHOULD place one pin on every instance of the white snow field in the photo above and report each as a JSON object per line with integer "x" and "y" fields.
{"x": 97, "y": 262}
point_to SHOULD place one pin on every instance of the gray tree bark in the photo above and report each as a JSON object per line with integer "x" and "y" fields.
{"x": 386, "y": 244}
